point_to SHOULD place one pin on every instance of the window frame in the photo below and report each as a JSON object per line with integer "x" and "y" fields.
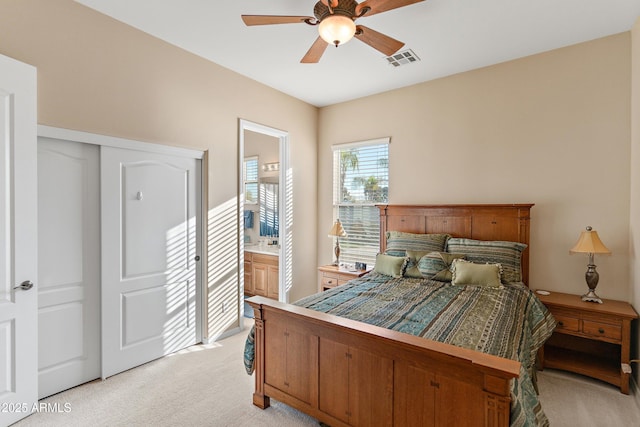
{"x": 362, "y": 248}
{"x": 247, "y": 182}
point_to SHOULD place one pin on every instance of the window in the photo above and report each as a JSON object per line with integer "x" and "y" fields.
{"x": 269, "y": 221}
{"x": 360, "y": 181}
{"x": 251, "y": 180}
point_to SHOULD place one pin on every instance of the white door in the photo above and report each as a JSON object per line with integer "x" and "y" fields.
{"x": 148, "y": 256}
{"x": 18, "y": 241}
{"x": 68, "y": 264}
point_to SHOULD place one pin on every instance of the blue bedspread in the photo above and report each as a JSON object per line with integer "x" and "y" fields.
{"x": 508, "y": 321}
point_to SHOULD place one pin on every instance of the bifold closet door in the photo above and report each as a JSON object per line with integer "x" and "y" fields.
{"x": 148, "y": 256}
{"x": 68, "y": 264}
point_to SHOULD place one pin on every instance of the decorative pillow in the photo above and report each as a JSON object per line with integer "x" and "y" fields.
{"x": 507, "y": 254}
{"x": 390, "y": 265}
{"x": 469, "y": 273}
{"x": 413, "y": 257}
{"x": 398, "y": 242}
{"x": 436, "y": 265}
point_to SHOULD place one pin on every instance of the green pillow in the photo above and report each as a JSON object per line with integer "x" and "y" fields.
{"x": 390, "y": 265}
{"x": 507, "y": 254}
{"x": 436, "y": 265}
{"x": 400, "y": 241}
{"x": 411, "y": 270}
{"x": 469, "y": 273}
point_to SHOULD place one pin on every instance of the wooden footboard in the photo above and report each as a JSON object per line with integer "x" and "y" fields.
{"x": 347, "y": 373}
{"x": 344, "y": 372}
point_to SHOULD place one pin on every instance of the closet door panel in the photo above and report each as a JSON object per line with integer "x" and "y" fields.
{"x": 68, "y": 264}
{"x": 148, "y": 256}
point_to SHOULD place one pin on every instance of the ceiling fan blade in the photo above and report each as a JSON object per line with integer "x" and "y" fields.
{"x": 274, "y": 19}
{"x": 314, "y": 54}
{"x": 378, "y": 41}
{"x": 378, "y": 6}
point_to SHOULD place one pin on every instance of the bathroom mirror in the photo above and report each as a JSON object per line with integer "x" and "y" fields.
{"x": 269, "y": 212}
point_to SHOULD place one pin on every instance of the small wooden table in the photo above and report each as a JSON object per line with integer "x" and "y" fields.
{"x": 590, "y": 339}
{"x": 332, "y": 275}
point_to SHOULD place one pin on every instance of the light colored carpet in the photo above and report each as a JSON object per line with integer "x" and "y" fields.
{"x": 206, "y": 385}
{"x": 574, "y": 400}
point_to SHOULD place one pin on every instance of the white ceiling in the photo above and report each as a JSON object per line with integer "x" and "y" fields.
{"x": 449, "y": 36}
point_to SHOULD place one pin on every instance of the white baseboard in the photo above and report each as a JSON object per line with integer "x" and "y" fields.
{"x": 223, "y": 335}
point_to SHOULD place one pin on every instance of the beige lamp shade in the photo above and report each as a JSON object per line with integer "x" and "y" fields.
{"x": 337, "y": 230}
{"x": 589, "y": 243}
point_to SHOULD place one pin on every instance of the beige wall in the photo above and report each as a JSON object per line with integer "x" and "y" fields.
{"x": 267, "y": 149}
{"x": 98, "y": 75}
{"x": 635, "y": 184}
{"x": 551, "y": 129}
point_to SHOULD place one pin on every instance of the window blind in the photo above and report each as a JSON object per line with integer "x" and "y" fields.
{"x": 251, "y": 180}
{"x": 360, "y": 181}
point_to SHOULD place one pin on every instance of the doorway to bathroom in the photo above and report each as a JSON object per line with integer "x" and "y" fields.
{"x": 265, "y": 212}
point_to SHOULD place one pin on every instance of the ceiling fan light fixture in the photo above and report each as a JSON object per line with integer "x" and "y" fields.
{"x": 337, "y": 29}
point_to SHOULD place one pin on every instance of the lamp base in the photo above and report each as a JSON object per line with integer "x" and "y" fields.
{"x": 591, "y": 297}
{"x": 592, "y": 278}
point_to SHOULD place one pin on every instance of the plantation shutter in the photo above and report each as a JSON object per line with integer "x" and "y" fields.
{"x": 251, "y": 180}
{"x": 360, "y": 181}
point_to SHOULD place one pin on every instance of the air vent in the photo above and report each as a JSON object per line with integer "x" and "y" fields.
{"x": 402, "y": 58}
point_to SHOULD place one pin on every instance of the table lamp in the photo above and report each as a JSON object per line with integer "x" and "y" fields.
{"x": 590, "y": 243}
{"x": 338, "y": 232}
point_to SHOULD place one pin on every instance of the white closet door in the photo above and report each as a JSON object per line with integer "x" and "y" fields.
{"x": 18, "y": 241}
{"x": 68, "y": 264}
{"x": 148, "y": 256}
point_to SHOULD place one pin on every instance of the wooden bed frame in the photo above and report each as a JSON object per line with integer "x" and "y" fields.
{"x": 347, "y": 373}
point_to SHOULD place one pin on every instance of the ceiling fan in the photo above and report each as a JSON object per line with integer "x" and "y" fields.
{"x": 335, "y": 20}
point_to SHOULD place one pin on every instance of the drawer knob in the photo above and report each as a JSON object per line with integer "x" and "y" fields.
{"x": 601, "y": 330}
{"x": 560, "y": 323}
{"x": 329, "y": 281}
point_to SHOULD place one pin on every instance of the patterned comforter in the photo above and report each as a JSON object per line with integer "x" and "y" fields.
{"x": 508, "y": 321}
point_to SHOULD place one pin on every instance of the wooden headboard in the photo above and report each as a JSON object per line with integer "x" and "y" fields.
{"x": 480, "y": 222}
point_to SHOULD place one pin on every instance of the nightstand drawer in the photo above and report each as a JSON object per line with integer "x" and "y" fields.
{"x": 329, "y": 281}
{"x": 597, "y": 329}
{"x": 332, "y": 276}
{"x": 567, "y": 323}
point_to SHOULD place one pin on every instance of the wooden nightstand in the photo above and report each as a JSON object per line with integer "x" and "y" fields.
{"x": 590, "y": 339}
{"x": 332, "y": 276}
